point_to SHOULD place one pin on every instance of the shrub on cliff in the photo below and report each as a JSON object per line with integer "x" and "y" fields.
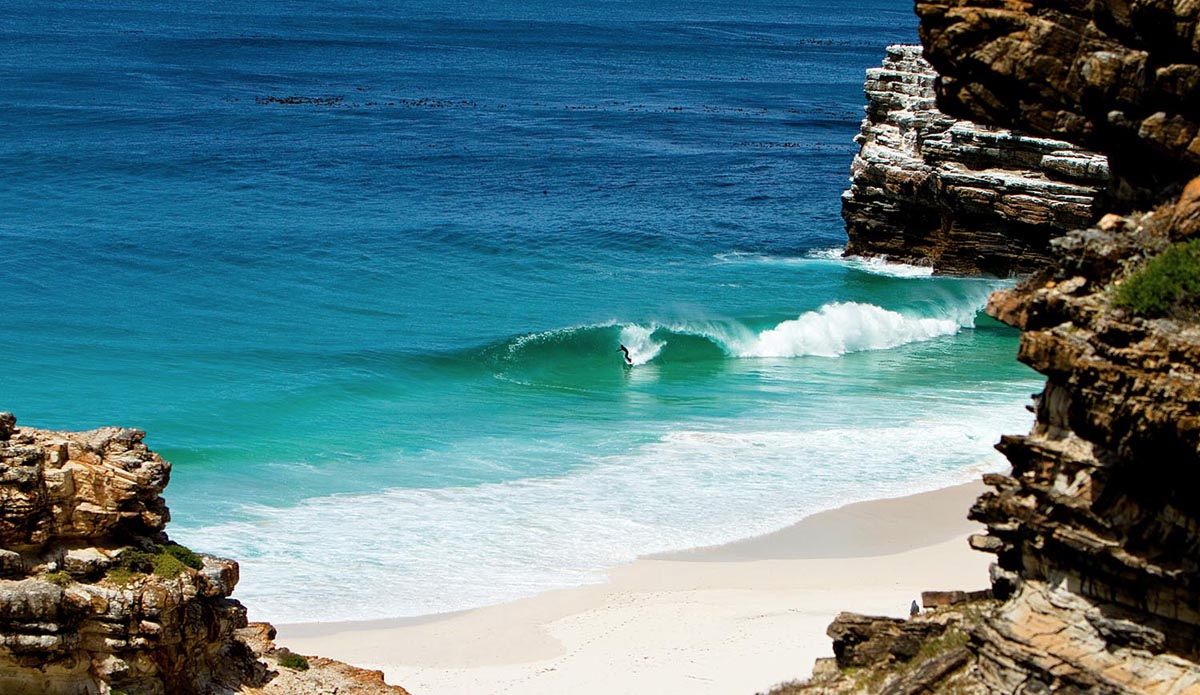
{"x": 293, "y": 661}
{"x": 183, "y": 554}
{"x": 167, "y": 561}
{"x": 1168, "y": 285}
{"x": 167, "y": 566}
{"x": 60, "y": 578}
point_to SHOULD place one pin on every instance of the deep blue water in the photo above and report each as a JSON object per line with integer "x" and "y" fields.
{"x": 361, "y": 269}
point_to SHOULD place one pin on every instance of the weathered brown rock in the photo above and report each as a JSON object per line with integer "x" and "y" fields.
{"x": 926, "y": 654}
{"x": 65, "y": 486}
{"x": 1096, "y": 531}
{"x": 1117, "y": 77}
{"x": 73, "y": 622}
{"x": 964, "y": 198}
{"x": 941, "y": 599}
{"x": 861, "y": 640}
{"x": 321, "y": 677}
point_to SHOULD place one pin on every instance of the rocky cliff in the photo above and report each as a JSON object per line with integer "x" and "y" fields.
{"x": 1119, "y": 76}
{"x": 1096, "y": 531}
{"x": 965, "y": 198}
{"x": 96, "y": 599}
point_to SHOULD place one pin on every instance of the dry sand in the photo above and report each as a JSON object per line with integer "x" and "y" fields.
{"x": 733, "y": 619}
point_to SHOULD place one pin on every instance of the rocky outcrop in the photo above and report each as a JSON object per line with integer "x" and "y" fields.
{"x": 930, "y": 189}
{"x": 1121, "y": 77}
{"x": 1096, "y": 534}
{"x": 94, "y": 598}
{"x": 884, "y": 656}
{"x": 291, "y": 674}
{"x": 1096, "y": 531}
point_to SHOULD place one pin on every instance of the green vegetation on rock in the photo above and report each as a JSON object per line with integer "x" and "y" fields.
{"x": 1167, "y": 285}
{"x": 293, "y": 661}
{"x": 60, "y": 578}
{"x": 167, "y": 561}
{"x": 182, "y": 554}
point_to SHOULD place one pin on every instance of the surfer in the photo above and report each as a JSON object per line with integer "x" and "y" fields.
{"x": 628, "y": 359}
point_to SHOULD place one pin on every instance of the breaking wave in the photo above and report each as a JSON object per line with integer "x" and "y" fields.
{"x": 834, "y": 329}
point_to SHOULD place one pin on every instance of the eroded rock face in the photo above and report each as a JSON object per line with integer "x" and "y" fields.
{"x": 71, "y": 504}
{"x": 77, "y": 617}
{"x": 1097, "y": 529}
{"x": 64, "y": 486}
{"x": 1121, "y": 77}
{"x": 929, "y": 189}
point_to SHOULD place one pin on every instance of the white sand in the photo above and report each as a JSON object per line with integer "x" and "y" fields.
{"x": 734, "y": 619}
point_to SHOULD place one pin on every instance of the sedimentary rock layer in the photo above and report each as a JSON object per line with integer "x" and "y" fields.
{"x": 1121, "y": 77}
{"x": 94, "y": 597}
{"x": 930, "y": 189}
{"x": 1096, "y": 532}
{"x": 1097, "y": 529}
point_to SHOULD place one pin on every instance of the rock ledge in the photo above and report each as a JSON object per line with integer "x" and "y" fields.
{"x": 929, "y": 189}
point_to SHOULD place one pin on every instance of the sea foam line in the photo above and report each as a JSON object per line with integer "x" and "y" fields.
{"x": 417, "y": 551}
{"x": 876, "y": 265}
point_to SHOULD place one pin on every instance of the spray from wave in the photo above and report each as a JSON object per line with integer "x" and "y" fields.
{"x": 641, "y": 343}
{"x": 842, "y": 327}
{"x": 876, "y": 265}
{"x": 833, "y": 330}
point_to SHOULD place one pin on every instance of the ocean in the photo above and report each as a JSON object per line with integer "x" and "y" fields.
{"x": 362, "y": 269}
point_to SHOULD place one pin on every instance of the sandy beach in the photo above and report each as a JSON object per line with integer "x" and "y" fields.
{"x": 731, "y": 619}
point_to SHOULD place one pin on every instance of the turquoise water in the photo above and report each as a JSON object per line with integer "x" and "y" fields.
{"x": 362, "y": 270}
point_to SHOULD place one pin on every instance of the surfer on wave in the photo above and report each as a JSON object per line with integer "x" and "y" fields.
{"x": 628, "y": 359}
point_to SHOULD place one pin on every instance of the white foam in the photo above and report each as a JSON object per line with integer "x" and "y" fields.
{"x": 416, "y": 551}
{"x": 877, "y": 265}
{"x": 834, "y": 253}
{"x": 880, "y": 265}
{"x": 842, "y": 327}
{"x": 640, "y": 343}
{"x": 833, "y": 330}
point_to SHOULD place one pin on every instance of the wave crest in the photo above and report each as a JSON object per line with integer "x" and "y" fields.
{"x": 841, "y": 327}
{"x": 832, "y": 330}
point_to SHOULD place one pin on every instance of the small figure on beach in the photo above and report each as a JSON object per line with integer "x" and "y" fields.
{"x": 628, "y": 359}
{"x": 914, "y": 609}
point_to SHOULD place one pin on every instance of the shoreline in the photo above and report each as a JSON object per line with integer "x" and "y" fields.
{"x": 733, "y": 618}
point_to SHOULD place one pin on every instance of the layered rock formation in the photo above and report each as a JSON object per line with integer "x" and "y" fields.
{"x": 95, "y": 599}
{"x": 1121, "y": 77}
{"x": 1096, "y": 532}
{"x": 1097, "y": 529}
{"x": 930, "y": 189}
